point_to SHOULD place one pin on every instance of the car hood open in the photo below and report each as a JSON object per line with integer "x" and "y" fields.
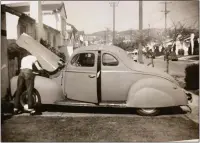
{"x": 46, "y": 58}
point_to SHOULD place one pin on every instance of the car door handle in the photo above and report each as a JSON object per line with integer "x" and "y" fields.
{"x": 91, "y": 76}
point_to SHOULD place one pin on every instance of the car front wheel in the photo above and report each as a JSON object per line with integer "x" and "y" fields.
{"x": 148, "y": 111}
{"x": 36, "y": 99}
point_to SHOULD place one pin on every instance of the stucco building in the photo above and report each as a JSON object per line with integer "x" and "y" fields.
{"x": 46, "y": 14}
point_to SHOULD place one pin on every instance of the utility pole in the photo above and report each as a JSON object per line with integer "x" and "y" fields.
{"x": 106, "y": 35}
{"x": 166, "y": 12}
{"x": 149, "y": 30}
{"x": 140, "y": 59}
{"x": 167, "y": 52}
{"x": 131, "y": 34}
{"x": 114, "y": 4}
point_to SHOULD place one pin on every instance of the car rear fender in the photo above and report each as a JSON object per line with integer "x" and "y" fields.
{"x": 49, "y": 90}
{"x": 155, "y": 92}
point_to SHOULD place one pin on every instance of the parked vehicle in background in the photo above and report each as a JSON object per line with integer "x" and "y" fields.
{"x": 172, "y": 56}
{"x": 133, "y": 55}
{"x": 102, "y": 76}
{"x": 150, "y": 54}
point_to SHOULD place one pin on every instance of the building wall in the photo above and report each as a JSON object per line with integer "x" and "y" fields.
{"x": 11, "y": 28}
{"x": 49, "y": 16}
{"x": 182, "y": 45}
{"x": 52, "y": 36}
{"x": 26, "y": 26}
{"x": 58, "y": 21}
{"x": 4, "y": 57}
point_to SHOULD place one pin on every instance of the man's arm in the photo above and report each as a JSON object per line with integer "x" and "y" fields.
{"x": 38, "y": 66}
{"x": 55, "y": 71}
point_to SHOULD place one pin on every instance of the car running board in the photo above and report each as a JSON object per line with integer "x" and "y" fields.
{"x": 75, "y": 103}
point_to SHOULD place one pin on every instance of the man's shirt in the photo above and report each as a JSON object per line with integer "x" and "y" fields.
{"x": 27, "y": 62}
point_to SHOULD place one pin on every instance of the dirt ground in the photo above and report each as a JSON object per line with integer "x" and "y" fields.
{"x": 59, "y": 129}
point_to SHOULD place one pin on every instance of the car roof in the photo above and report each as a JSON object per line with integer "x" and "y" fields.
{"x": 109, "y": 48}
{"x": 120, "y": 53}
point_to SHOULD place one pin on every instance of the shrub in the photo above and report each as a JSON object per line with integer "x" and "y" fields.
{"x": 180, "y": 52}
{"x": 192, "y": 77}
{"x": 62, "y": 55}
{"x": 196, "y": 51}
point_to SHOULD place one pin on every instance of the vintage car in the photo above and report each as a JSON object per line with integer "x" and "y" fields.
{"x": 172, "y": 56}
{"x": 101, "y": 76}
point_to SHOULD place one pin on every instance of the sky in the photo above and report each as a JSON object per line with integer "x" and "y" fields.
{"x": 94, "y": 16}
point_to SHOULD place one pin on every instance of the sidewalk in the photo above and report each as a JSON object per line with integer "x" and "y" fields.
{"x": 192, "y": 58}
{"x": 194, "y": 105}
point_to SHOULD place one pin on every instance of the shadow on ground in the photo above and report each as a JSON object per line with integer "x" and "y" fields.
{"x": 106, "y": 110}
{"x": 96, "y": 110}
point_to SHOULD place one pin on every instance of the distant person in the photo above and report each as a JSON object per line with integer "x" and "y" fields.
{"x": 190, "y": 49}
{"x": 151, "y": 54}
{"x": 81, "y": 40}
{"x": 196, "y": 46}
{"x": 174, "y": 47}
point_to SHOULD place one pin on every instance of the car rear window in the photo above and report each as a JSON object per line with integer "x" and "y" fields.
{"x": 109, "y": 60}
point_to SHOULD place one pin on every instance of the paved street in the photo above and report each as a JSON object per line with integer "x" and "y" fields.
{"x": 175, "y": 67}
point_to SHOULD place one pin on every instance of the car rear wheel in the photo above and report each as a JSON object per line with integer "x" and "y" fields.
{"x": 148, "y": 111}
{"x": 36, "y": 99}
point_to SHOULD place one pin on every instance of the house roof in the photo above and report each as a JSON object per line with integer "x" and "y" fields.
{"x": 49, "y": 27}
{"x": 15, "y": 12}
{"x": 46, "y": 5}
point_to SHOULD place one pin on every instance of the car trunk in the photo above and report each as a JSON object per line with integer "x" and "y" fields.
{"x": 145, "y": 69}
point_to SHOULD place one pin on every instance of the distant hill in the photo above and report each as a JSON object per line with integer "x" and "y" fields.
{"x": 99, "y": 33}
{"x": 127, "y": 32}
{"x": 153, "y": 32}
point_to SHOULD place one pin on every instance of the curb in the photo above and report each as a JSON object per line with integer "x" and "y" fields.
{"x": 187, "y": 60}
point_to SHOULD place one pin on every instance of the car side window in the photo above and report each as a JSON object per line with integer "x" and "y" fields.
{"x": 83, "y": 60}
{"x": 109, "y": 60}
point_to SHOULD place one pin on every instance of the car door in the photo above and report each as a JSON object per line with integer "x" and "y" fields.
{"x": 80, "y": 77}
{"x": 116, "y": 78}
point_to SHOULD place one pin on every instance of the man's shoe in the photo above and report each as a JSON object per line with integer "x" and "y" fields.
{"x": 35, "y": 113}
{"x": 27, "y": 109}
{"x": 16, "y": 111}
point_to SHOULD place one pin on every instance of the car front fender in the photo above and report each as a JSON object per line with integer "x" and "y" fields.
{"x": 48, "y": 89}
{"x": 155, "y": 92}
